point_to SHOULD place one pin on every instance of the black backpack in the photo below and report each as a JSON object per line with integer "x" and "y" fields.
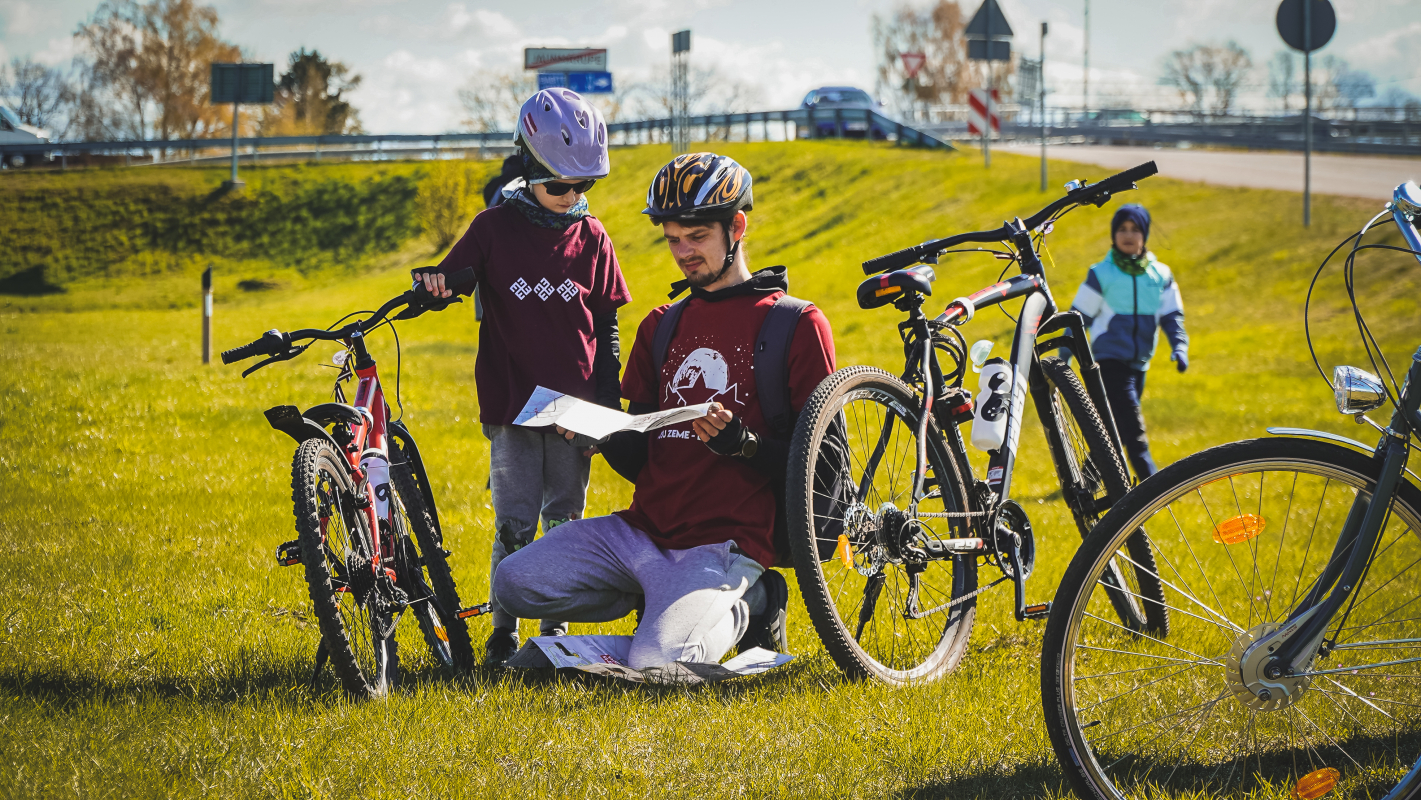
{"x": 771, "y": 367}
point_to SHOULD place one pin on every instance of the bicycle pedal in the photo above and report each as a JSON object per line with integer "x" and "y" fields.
{"x": 288, "y": 553}
{"x": 1036, "y": 611}
{"x": 475, "y": 611}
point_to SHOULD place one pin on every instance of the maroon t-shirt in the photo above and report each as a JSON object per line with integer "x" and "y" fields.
{"x": 540, "y": 290}
{"x": 687, "y": 496}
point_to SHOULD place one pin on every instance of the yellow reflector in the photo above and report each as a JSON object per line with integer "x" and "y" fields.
{"x": 1239, "y": 529}
{"x": 1316, "y": 784}
{"x": 844, "y": 553}
{"x": 439, "y": 631}
{"x": 888, "y": 290}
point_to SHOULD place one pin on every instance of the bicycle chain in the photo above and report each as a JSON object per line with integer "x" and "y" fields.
{"x": 964, "y": 598}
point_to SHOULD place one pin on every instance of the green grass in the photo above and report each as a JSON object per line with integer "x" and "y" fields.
{"x": 150, "y": 646}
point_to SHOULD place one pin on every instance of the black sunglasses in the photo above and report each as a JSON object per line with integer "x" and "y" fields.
{"x": 558, "y": 189}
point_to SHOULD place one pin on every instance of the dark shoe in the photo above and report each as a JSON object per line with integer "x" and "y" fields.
{"x": 500, "y": 647}
{"x": 553, "y": 629}
{"x": 767, "y": 630}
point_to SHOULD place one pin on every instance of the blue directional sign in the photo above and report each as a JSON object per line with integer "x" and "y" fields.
{"x": 590, "y": 82}
{"x": 552, "y": 80}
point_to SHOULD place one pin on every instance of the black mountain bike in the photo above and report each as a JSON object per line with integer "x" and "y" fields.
{"x": 1292, "y": 575}
{"x": 367, "y": 527}
{"x": 887, "y": 523}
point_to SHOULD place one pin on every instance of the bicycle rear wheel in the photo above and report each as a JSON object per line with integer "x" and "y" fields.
{"x": 1092, "y": 477}
{"x": 357, "y": 629}
{"x": 853, "y": 522}
{"x": 1241, "y": 533}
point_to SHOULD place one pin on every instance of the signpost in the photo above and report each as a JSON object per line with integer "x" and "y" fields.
{"x": 988, "y": 39}
{"x": 237, "y": 84}
{"x": 1306, "y": 25}
{"x": 207, "y": 315}
{"x": 563, "y": 59}
{"x": 1041, "y": 85}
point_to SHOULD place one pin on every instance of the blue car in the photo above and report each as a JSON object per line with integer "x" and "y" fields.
{"x": 826, "y": 99}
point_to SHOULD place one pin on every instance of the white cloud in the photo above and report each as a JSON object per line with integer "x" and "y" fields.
{"x": 19, "y": 18}
{"x": 409, "y": 94}
{"x": 59, "y": 51}
{"x": 1392, "y": 47}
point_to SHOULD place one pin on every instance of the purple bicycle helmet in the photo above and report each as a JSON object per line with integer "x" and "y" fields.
{"x": 566, "y": 134}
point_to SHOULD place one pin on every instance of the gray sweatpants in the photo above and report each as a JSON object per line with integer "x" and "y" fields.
{"x": 599, "y": 570}
{"x": 532, "y": 474}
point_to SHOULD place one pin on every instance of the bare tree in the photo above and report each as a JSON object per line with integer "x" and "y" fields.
{"x": 937, "y": 33}
{"x": 1207, "y": 77}
{"x": 147, "y": 69}
{"x": 491, "y": 99}
{"x": 1336, "y": 86}
{"x": 39, "y": 95}
{"x": 1283, "y": 78}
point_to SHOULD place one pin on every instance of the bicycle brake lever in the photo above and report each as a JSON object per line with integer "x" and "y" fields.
{"x": 287, "y": 356}
{"x": 415, "y": 309}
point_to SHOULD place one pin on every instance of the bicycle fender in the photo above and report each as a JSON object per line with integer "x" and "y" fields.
{"x": 289, "y": 421}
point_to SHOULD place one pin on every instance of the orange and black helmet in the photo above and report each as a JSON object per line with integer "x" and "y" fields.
{"x": 699, "y": 187}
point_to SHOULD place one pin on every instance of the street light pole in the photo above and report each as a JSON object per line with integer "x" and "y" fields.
{"x": 1041, "y": 88}
{"x": 1085, "y": 72}
{"x": 1307, "y": 114}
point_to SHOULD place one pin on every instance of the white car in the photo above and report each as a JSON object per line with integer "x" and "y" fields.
{"x": 15, "y": 132}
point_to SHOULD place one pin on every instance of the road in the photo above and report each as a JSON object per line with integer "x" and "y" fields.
{"x": 1372, "y": 177}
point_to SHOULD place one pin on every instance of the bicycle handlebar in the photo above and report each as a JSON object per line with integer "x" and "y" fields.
{"x": 277, "y": 343}
{"x": 1096, "y": 193}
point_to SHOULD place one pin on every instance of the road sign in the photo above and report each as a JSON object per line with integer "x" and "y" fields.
{"x": 1291, "y": 23}
{"x": 982, "y": 106}
{"x": 552, "y": 80}
{"x": 983, "y": 50}
{"x": 912, "y": 63}
{"x": 243, "y": 83}
{"x": 989, "y": 21}
{"x": 562, "y": 59}
{"x": 681, "y": 42}
{"x": 590, "y": 82}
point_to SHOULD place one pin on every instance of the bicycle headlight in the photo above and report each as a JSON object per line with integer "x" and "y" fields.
{"x": 1357, "y": 391}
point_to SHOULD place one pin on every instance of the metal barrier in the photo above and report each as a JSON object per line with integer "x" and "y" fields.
{"x": 808, "y": 124}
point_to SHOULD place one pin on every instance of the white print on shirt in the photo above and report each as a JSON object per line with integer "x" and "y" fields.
{"x": 566, "y": 290}
{"x": 704, "y": 371}
{"x": 672, "y": 433}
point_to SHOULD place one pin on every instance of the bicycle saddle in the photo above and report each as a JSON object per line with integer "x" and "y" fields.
{"x": 881, "y": 290}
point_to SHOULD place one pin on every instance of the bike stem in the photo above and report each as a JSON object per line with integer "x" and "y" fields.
{"x": 1298, "y": 637}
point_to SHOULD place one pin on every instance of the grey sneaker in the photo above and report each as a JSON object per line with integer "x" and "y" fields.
{"x": 767, "y": 630}
{"x": 500, "y": 647}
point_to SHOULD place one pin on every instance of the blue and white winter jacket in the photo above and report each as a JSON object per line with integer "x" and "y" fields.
{"x": 1124, "y": 312}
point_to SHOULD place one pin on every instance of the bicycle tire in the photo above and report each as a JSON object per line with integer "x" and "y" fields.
{"x": 321, "y": 489}
{"x": 1320, "y": 726}
{"x": 1105, "y": 458}
{"x": 435, "y": 560}
{"x": 939, "y": 655}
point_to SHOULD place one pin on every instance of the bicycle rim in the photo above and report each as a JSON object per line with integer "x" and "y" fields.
{"x": 1238, "y": 544}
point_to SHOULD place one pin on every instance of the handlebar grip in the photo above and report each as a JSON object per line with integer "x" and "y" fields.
{"x": 1122, "y": 180}
{"x": 256, "y": 348}
{"x": 892, "y": 261}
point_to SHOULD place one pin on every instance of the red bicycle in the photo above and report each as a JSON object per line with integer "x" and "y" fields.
{"x": 367, "y": 526}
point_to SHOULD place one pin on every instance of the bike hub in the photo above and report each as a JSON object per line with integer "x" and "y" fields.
{"x": 1256, "y": 679}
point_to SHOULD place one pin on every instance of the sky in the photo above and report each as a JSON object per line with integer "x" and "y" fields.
{"x": 414, "y": 55}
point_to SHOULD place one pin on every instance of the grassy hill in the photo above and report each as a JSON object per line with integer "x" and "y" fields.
{"x": 152, "y": 647}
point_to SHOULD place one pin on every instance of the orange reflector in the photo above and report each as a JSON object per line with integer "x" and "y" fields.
{"x": 888, "y": 290}
{"x": 439, "y": 631}
{"x": 845, "y": 555}
{"x": 1316, "y": 784}
{"x": 1239, "y": 529}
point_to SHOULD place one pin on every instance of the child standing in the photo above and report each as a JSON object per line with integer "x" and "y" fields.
{"x": 550, "y": 285}
{"x": 1126, "y": 299}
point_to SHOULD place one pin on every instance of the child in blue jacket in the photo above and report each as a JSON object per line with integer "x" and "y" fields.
{"x": 1126, "y": 299}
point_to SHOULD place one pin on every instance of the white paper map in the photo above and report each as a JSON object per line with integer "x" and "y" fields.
{"x": 547, "y": 407}
{"x": 607, "y": 655}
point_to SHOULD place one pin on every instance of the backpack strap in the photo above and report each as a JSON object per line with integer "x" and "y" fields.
{"x": 661, "y": 341}
{"x": 772, "y": 364}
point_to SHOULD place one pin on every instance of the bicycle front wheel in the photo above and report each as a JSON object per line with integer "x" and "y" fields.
{"x": 432, "y": 589}
{"x": 1241, "y": 533}
{"x": 880, "y": 609}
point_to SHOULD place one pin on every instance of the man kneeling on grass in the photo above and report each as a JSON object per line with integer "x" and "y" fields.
{"x": 693, "y": 550}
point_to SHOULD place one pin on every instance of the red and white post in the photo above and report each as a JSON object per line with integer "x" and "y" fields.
{"x": 982, "y": 118}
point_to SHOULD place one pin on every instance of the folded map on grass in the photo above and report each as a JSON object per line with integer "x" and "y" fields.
{"x": 607, "y": 655}
{"x": 547, "y": 407}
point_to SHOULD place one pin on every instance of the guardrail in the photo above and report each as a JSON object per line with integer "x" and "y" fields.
{"x": 808, "y": 124}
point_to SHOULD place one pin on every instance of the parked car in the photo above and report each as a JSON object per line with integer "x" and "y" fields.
{"x": 14, "y": 132}
{"x": 827, "y": 98}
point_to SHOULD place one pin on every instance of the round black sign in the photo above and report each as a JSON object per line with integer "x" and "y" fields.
{"x": 1290, "y": 23}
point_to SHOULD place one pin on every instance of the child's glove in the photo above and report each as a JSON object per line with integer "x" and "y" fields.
{"x": 1180, "y": 359}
